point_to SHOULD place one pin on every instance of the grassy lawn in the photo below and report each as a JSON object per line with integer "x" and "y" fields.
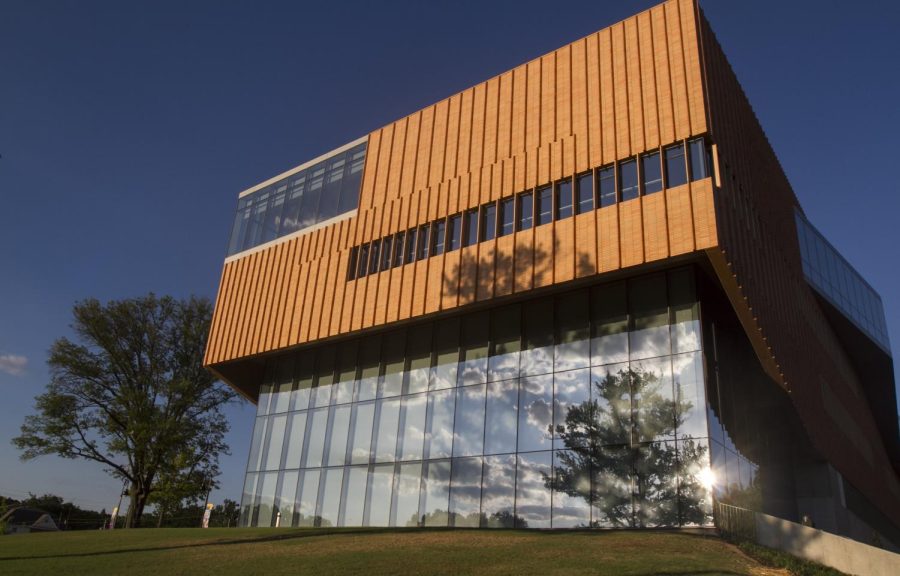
{"x": 372, "y": 552}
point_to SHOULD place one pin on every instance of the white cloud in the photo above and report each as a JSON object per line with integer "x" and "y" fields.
{"x": 13, "y": 364}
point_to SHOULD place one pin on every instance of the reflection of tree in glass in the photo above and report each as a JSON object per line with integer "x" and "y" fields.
{"x": 618, "y": 438}
{"x": 502, "y": 519}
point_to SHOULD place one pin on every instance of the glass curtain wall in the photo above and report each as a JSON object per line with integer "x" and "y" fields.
{"x": 589, "y": 410}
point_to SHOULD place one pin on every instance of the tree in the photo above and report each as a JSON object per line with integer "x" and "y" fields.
{"x": 131, "y": 394}
{"x": 637, "y": 481}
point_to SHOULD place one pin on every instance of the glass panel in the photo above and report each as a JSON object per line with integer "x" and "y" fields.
{"x": 393, "y": 353}
{"x": 537, "y": 354}
{"x": 284, "y": 382}
{"x": 465, "y": 493}
{"x": 564, "y": 199}
{"x": 363, "y": 264}
{"x": 309, "y": 207}
{"x": 610, "y": 324}
{"x": 439, "y": 424}
{"x": 331, "y": 193}
{"x": 474, "y": 357}
{"x": 398, "y": 248}
{"x": 286, "y": 497}
{"x": 265, "y": 503}
{"x": 386, "y": 253}
{"x": 470, "y": 232}
{"x": 419, "y": 354}
{"x": 309, "y": 496}
{"x": 507, "y": 216}
{"x": 651, "y": 173}
{"x": 406, "y": 503}
{"x": 611, "y": 396}
{"x": 356, "y": 161}
{"x": 585, "y": 193}
{"x": 340, "y": 429}
{"x": 446, "y": 344}
{"x": 256, "y": 444}
{"x": 532, "y": 492}
{"x": 329, "y": 505}
{"x": 628, "y": 180}
{"x": 265, "y": 390}
{"x": 525, "y": 211}
{"x": 573, "y": 333}
{"x": 685, "y": 311}
{"x": 343, "y": 392}
{"x": 381, "y": 484}
{"x": 676, "y": 168}
{"x": 455, "y": 234}
{"x": 354, "y": 497}
{"x": 303, "y": 373}
{"x": 694, "y": 475}
{"x": 649, "y": 335}
{"x": 498, "y": 493}
{"x": 572, "y": 413}
{"x": 374, "y": 256}
{"x": 506, "y": 335}
{"x": 607, "y": 178}
{"x": 410, "y": 246}
{"x": 363, "y": 422}
{"x": 422, "y": 246}
{"x": 316, "y": 428}
{"x": 321, "y": 394}
{"x": 247, "y": 498}
{"x": 699, "y": 164}
{"x": 369, "y": 363}
{"x": 656, "y": 484}
{"x": 571, "y": 489}
{"x": 435, "y": 493}
{"x": 295, "y": 440}
{"x": 544, "y": 205}
{"x": 352, "y": 264}
{"x": 275, "y": 441}
{"x": 653, "y": 399}
{"x": 690, "y": 414}
{"x": 412, "y": 423}
{"x": 501, "y": 415}
{"x": 468, "y": 436}
{"x": 535, "y": 412}
{"x": 439, "y": 232}
{"x": 488, "y": 222}
{"x": 612, "y": 480}
{"x": 388, "y": 422}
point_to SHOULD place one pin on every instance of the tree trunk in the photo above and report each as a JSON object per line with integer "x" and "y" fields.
{"x": 138, "y": 499}
{"x": 160, "y": 518}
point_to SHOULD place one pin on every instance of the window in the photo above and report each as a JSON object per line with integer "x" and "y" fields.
{"x": 386, "y": 253}
{"x": 422, "y": 251}
{"x": 564, "y": 199}
{"x": 398, "y": 249}
{"x": 607, "y": 178}
{"x": 455, "y": 232}
{"x": 410, "y": 245}
{"x": 526, "y": 211}
{"x": 351, "y": 266}
{"x": 544, "y": 205}
{"x": 438, "y": 233}
{"x": 584, "y": 190}
{"x": 488, "y": 222}
{"x": 699, "y": 159}
{"x": 507, "y": 213}
{"x": 373, "y": 257}
{"x": 470, "y": 235}
{"x": 628, "y": 180}
{"x": 651, "y": 173}
{"x": 363, "y": 261}
{"x": 676, "y": 169}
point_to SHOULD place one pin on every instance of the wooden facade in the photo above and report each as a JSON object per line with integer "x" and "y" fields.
{"x": 634, "y": 86}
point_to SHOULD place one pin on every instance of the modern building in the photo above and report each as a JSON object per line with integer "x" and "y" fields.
{"x": 581, "y": 293}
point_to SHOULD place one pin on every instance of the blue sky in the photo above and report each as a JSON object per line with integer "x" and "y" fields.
{"x": 128, "y": 128}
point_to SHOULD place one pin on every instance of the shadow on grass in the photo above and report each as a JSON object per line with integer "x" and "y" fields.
{"x": 297, "y": 533}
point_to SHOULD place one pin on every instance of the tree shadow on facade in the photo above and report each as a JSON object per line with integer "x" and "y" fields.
{"x": 621, "y": 456}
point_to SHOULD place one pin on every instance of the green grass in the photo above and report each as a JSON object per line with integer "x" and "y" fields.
{"x": 372, "y": 552}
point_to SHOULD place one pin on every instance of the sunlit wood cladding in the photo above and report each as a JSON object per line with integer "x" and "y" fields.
{"x": 632, "y": 86}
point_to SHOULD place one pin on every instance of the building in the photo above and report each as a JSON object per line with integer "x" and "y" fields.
{"x": 581, "y": 293}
